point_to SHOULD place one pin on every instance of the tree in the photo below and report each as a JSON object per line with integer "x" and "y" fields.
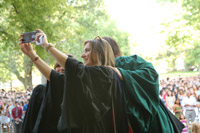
{"x": 67, "y": 24}
{"x": 183, "y": 32}
{"x": 18, "y": 17}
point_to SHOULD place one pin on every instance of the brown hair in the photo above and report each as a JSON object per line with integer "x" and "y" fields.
{"x": 114, "y": 45}
{"x": 103, "y": 51}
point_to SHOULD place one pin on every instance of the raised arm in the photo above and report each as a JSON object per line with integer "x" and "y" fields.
{"x": 39, "y": 63}
{"x": 56, "y": 54}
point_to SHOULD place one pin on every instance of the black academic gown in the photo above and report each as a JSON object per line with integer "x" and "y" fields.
{"x": 50, "y": 110}
{"x": 92, "y": 101}
{"x": 33, "y": 108}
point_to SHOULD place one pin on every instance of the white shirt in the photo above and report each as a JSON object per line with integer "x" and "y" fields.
{"x": 191, "y": 101}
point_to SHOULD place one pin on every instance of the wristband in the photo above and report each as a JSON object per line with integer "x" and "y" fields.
{"x": 49, "y": 46}
{"x": 35, "y": 59}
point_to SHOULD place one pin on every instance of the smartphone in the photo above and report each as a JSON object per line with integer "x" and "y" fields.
{"x": 29, "y": 36}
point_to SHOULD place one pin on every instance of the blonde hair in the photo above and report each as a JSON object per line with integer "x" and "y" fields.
{"x": 195, "y": 127}
{"x": 103, "y": 51}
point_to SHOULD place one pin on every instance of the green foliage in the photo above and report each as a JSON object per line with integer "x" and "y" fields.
{"x": 183, "y": 32}
{"x": 109, "y": 29}
{"x": 67, "y": 23}
{"x": 193, "y": 56}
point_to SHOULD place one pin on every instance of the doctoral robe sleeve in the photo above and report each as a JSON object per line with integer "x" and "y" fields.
{"x": 141, "y": 91}
{"x": 56, "y": 89}
{"x": 49, "y": 113}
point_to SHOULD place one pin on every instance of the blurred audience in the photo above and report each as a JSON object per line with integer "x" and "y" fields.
{"x": 185, "y": 91}
{"x": 7, "y": 105}
{"x": 181, "y": 95}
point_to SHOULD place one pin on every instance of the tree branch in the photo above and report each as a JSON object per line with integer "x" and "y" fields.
{"x": 15, "y": 8}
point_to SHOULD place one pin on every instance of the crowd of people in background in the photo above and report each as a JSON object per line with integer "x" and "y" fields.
{"x": 13, "y": 107}
{"x": 181, "y": 95}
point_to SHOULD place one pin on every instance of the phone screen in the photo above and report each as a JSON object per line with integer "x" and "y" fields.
{"x": 29, "y": 37}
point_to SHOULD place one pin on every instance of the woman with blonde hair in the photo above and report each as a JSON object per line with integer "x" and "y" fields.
{"x": 195, "y": 127}
{"x": 92, "y": 98}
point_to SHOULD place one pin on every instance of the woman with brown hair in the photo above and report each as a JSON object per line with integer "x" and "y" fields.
{"x": 146, "y": 112}
{"x": 177, "y": 108}
{"x": 91, "y": 98}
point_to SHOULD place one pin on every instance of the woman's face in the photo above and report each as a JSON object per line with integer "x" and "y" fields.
{"x": 59, "y": 69}
{"x": 177, "y": 101}
{"x": 181, "y": 117}
{"x": 86, "y": 56}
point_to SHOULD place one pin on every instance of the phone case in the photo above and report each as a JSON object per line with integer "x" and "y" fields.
{"x": 29, "y": 37}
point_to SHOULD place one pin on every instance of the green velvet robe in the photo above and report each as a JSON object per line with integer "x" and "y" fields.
{"x": 141, "y": 86}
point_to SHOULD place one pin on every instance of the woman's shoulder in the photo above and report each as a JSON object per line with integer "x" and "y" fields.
{"x": 175, "y": 105}
{"x": 103, "y": 70}
{"x": 131, "y": 58}
{"x": 133, "y": 62}
{"x": 73, "y": 66}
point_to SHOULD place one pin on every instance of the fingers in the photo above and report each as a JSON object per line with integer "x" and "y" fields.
{"x": 38, "y": 36}
{"x": 39, "y": 30}
{"x": 24, "y": 44}
{"x": 20, "y": 40}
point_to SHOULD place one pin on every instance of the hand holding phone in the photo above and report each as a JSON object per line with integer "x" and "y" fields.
{"x": 40, "y": 39}
{"x": 29, "y": 37}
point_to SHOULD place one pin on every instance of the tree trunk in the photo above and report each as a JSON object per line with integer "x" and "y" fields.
{"x": 26, "y": 80}
{"x": 174, "y": 64}
{"x": 28, "y": 73}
